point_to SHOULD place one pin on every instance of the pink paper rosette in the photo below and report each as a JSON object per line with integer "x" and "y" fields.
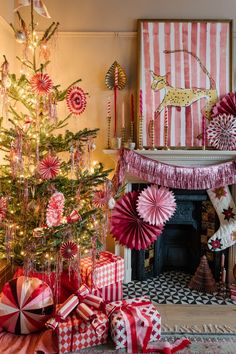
{"x": 221, "y": 132}
{"x": 49, "y": 167}
{"x": 76, "y": 100}
{"x": 226, "y": 104}
{"x": 156, "y": 205}
{"x": 41, "y": 83}
{"x": 128, "y": 228}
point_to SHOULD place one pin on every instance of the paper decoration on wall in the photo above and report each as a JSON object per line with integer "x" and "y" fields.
{"x": 221, "y": 132}
{"x": 76, "y": 100}
{"x": 227, "y": 105}
{"x": 128, "y": 228}
{"x": 223, "y": 203}
{"x": 156, "y": 205}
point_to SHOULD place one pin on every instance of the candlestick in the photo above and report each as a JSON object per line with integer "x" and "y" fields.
{"x": 123, "y": 136}
{"x": 153, "y": 134}
{"x": 132, "y": 131}
{"x": 223, "y": 275}
{"x": 141, "y": 103}
{"x": 166, "y": 126}
{"x": 123, "y": 115}
{"x": 140, "y": 140}
{"x": 132, "y": 108}
{"x": 222, "y": 260}
{"x": 203, "y": 132}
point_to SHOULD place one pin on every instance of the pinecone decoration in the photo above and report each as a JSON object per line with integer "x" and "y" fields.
{"x": 203, "y": 279}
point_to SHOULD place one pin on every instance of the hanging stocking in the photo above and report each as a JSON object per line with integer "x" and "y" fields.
{"x": 223, "y": 203}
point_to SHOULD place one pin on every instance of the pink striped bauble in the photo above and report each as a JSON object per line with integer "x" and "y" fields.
{"x": 25, "y": 305}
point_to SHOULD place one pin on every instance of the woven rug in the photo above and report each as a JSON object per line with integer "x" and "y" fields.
{"x": 201, "y": 343}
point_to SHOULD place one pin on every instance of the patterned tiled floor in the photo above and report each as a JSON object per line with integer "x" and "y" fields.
{"x": 172, "y": 288}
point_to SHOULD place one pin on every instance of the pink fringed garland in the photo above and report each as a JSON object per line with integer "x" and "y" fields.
{"x": 152, "y": 171}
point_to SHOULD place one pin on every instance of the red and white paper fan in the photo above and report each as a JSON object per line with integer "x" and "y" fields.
{"x": 49, "y": 167}
{"x": 76, "y": 100}
{"x": 226, "y": 105}
{"x": 128, "y": 228}
{"x": 41, "y": 83}
{"x": 25, "y": 305}
{"x": 55, "y": 209}
{"x": 221, "y": 132}
{"x": 156, "y": 205}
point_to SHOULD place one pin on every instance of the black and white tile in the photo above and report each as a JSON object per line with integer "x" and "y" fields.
{"x": 172, "y": 288}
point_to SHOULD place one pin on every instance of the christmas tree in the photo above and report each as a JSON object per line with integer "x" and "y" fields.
{"x": 52, "y": 199}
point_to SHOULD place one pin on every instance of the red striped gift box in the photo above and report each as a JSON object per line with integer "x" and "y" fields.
{"x": 112, "y": 292}
{"x": 109, "y": 269}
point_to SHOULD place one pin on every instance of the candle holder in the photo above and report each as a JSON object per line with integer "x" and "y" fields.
{"x": 109, "y": 132}
{"x": 223, "y": 289}
{"x": 166, "y": 147}
{"x": 123, "y": 136}
{"x": 132, "y": 130}
{"x": 140, "y": 138}
{"x": 153, "y": 135}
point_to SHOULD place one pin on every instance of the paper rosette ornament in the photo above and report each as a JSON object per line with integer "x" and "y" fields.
{"x": 49, "y": 167}
{"x": 221, "y": 132}
{"x": 226, "y": 105}
{"x": 69, "y": 250}
{"x": 25, "y": 305}
{"x": 55, "y": 209}
{"x": 41, "y": 83}
{"x": 76, "y": 100}
{"x": 128, "y": 228}
{"x": 100, "y": 199}
{"x": 156, "y": 205}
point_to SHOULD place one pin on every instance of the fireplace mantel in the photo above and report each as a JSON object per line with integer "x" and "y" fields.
{"x": 175, "y": 157}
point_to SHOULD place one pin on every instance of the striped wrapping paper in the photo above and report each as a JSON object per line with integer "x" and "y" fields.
{"x": 112, "y": 292}
{"x": 210, "y": 41}
{"x": 109, "y": 269}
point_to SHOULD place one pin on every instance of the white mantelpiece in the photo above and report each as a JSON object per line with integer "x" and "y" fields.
{"x": 179, "y": 158}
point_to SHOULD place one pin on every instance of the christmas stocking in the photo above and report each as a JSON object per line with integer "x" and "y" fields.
{"x": 223, "y": 203}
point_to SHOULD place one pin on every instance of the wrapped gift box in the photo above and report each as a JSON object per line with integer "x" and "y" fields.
{"x": 112, "y": 292}
{"x": 118, "y": 330}
{"x": 109, "y": 269}
{"x": 74, "y": 334}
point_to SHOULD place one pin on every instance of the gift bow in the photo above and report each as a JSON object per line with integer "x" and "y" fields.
{"x": 81, "y": 300}
{"x": 38, "y": 6}
{"x": 73, "y": 217}
{"x": 138, "y": 324}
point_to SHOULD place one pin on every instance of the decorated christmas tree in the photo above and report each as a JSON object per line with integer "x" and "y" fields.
{"x": 53, "y": 200}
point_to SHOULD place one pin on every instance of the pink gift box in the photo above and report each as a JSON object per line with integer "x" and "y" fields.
{"x": 109, "y": 269}
{"x": 109, "y": 293}
{"x": 74, "y": 335}
{"x": 117, "y": 322}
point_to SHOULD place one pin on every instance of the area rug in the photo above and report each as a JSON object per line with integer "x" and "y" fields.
{"x": 201, "y": 343}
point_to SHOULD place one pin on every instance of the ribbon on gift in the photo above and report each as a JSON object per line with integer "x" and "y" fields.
{"x": 138, "y": 324}
{"x": 82, "y": 299}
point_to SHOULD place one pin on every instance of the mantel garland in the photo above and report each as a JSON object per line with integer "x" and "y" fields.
{"x": 171, "y": 176}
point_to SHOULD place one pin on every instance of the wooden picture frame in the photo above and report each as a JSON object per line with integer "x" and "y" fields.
{"x": 184, "y": 67}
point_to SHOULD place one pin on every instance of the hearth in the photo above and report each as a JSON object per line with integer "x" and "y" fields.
{"x": 184, "y": 239}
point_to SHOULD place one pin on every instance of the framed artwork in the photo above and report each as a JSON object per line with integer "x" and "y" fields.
{"x": 184, "y": 68}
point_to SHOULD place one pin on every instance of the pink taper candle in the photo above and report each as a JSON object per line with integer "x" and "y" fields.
{"x": 115, "y": 98}
{"x": 141, "y": 103}
{"x": 222, "y": 260}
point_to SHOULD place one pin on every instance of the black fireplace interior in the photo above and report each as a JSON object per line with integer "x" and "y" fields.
{"x": 184, "y": 239}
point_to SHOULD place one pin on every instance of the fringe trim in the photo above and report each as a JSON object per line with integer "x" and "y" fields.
{"x": 152, "y": 171}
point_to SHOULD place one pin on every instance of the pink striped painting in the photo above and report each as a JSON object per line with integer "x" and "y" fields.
{"x": 193, "y": 55}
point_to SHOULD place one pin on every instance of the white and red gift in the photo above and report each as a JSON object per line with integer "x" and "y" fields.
{"x": 134, "y": 323}
{"x": 85, "y": 327}
{"x": 107, "y": 276}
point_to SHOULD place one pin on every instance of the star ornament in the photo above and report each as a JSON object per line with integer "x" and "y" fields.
{"x": 228, "y": 213}
{"x": 215, "y": 244}
{"x": 220, "y": 192}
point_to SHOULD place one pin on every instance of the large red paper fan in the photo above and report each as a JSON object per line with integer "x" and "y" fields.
{"x": 156, "y": 205}
{"x": 226, "y": 104}
{"x": 128, "y": 228}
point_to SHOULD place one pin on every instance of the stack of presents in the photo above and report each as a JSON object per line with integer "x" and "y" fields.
{"x": 92, "y": 313}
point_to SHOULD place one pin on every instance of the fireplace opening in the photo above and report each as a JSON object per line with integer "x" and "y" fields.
{"x": 184, "y": 239}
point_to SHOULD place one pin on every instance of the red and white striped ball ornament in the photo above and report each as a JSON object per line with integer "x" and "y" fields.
{"x": 41, "y": 83}
{"x": 25, "y": 305}
{"x": 76, "y": 100}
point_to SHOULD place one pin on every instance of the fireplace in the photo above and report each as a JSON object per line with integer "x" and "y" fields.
{"x": 183, "y": 240}
{"x": 186, "y": 158}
